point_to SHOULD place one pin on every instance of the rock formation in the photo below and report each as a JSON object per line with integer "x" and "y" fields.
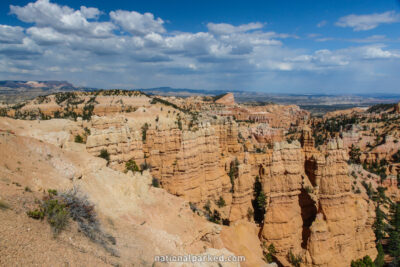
{"x": 348, "y": 217}
{"x": 228, "y": 100}
{"x": 310, "y": 212}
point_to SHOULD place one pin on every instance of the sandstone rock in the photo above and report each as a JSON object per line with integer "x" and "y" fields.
{"x": 310, "y": 208}
{"x": 227, "y": 100}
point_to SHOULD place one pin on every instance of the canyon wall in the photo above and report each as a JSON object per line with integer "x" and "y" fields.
{"x": 310, "y": 212}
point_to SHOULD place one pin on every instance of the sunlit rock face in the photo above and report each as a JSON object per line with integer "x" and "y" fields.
{"x": 205, "y": 156}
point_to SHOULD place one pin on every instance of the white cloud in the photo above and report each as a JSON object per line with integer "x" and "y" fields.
{"x": 368, "y": 22}
{"x": 133, "y": 48}
{"x": 224, "y": 28}
{"x": 370, "y": 39}
{"x": 90, "y": 12}
{"x": 11, "y": 34}
{"x": 26, "y": 49}
{"x": 46, "y": 36}
{"x": 63, "y": 18}
{"x": 376, "y": 52}
{"x": 321, "y": 58}
{"x": 137, "y": 23}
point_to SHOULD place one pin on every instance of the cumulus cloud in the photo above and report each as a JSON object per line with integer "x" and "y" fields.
{"x": 376, "y": 52}
{"x": 46, "y": 36}
{"x": 11, "y": 34}
{"x": 224, "y": 28}
{"x": 25, "y": 50}
{"x": 134, "y": 49}
{"x": 90, "y": 12}
{"x": 368, "y": 22}
{"x": 63, "y": 18}
{"x": 321, "y": 58}
{"x": 137, "y": 23}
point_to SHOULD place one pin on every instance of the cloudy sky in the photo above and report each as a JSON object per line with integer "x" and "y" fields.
{"x": 307, "y": 46}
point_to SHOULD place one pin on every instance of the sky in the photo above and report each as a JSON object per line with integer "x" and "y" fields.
{"x": 293, "y": 46}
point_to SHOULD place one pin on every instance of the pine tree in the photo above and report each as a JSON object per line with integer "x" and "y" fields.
{"x": 379, "y": 224}
{"x": 396, "y": 217}
{"x": 380, "y": 258}
{"x": 394, "y": 236}
{"x": 394, "y": 245}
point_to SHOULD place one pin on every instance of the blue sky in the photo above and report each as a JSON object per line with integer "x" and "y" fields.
{"x": 332, "y": 47}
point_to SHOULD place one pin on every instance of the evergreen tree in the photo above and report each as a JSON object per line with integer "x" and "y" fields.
{"x": 396, "y": 217}
{"x": 379, "y": 224}
{"x": 380, "y": 258}
{"x": 259, "y": 201}
{"x": 355, "y": 155}
{"x": 364, "y": 262}
{"x": 393, "y": 246}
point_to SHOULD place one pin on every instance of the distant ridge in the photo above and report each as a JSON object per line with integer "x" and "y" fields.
{"x": 12, "y": 91}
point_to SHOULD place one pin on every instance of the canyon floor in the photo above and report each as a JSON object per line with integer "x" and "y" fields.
{"x": 116, "y": 178}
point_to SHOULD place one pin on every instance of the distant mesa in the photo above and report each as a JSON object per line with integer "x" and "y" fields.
{"x": 226, "y": 99}
{"x": 37, "y": 84}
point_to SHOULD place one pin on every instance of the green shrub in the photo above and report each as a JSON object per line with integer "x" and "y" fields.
{"x": 179, "y": 122}
{"x": 269, "y": 257}
{"x": 145, "y": 127}
{"x": 87, "y": 112}
{"x": 355, "y": 155}
{"x": 131, "y": 165}
{"x": 145, "y": 166}
{"x": 104, "y": 154}
{"x": 36, "y": 214}
{"x": 56, "y": 213}
{"x": 309, "y": 189}
{"x": 214, "y": 217}
{"x": 193, "y": 207}
{"x": 221, "y": 202}
{"x": 155, "y": 182}
{"x": 52, "y": 192}
{"x": 87, "y": 131}
{"x": 78, "y": 139}
{"x": 295, "y": 260}
{"x": 167, "y": 103}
